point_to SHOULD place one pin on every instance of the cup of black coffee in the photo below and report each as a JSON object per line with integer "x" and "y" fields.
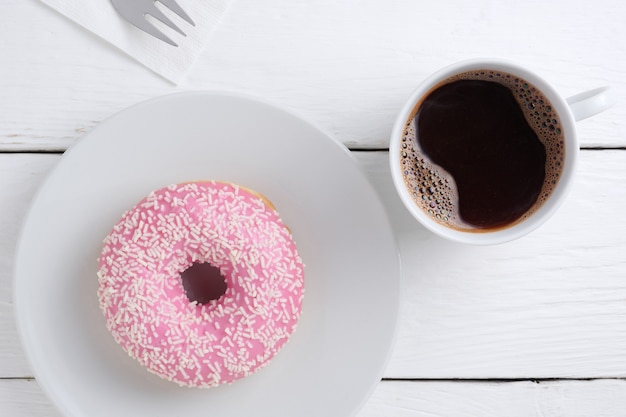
{"x": 485, "y": 151}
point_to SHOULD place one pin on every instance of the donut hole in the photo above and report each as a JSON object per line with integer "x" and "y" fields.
{"x": 203, "y": 282}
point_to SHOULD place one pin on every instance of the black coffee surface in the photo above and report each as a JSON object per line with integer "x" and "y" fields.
{"x": 476, "y": 131}
{"x": 482, "y": 151}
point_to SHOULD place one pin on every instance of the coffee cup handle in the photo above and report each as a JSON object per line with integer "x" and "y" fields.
{"x": 591, "y": 102}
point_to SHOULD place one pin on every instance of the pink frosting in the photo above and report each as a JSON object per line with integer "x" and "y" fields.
{"x": 142, "y": 296}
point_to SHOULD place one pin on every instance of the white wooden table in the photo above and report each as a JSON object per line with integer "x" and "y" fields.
{"x": 536, "y": 327}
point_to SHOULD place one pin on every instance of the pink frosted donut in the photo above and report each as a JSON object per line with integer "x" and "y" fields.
{"x": 148, "y": 310}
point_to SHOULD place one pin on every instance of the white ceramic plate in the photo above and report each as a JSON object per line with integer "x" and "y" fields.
{"x": 339, "y": 350}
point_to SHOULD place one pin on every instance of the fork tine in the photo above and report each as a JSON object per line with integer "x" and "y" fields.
{"x": 159, "y": 15}
{"x": 147, "y": 27}
{"x": 175, "y": 7}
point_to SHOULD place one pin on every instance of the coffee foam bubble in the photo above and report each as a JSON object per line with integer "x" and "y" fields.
{"x": 434, "y": 190}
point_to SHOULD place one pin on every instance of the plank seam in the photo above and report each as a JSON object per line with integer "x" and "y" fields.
{"x": 453, "y": 380}
{"x": 503, "y": 380}
{"x": 352, "y": 149}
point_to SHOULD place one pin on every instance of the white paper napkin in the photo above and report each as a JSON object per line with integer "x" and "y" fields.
{"x": 173, "y": 63}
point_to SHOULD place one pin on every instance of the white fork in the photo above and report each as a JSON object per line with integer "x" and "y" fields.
{"x": 135, "y": 11}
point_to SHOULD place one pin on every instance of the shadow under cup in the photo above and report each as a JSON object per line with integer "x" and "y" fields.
{"x": 483, "y": 152}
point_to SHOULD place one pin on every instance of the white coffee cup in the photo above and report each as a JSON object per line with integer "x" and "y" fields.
{"x": 569, "y": 111}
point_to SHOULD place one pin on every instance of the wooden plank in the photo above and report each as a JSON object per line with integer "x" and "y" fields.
{"x": 24, "y": 398}
{"x": 20, "y": 176}
{"x": 347, "y": 68}
{"x": 548, "y": 305}
{"x": 601, "y": 398}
